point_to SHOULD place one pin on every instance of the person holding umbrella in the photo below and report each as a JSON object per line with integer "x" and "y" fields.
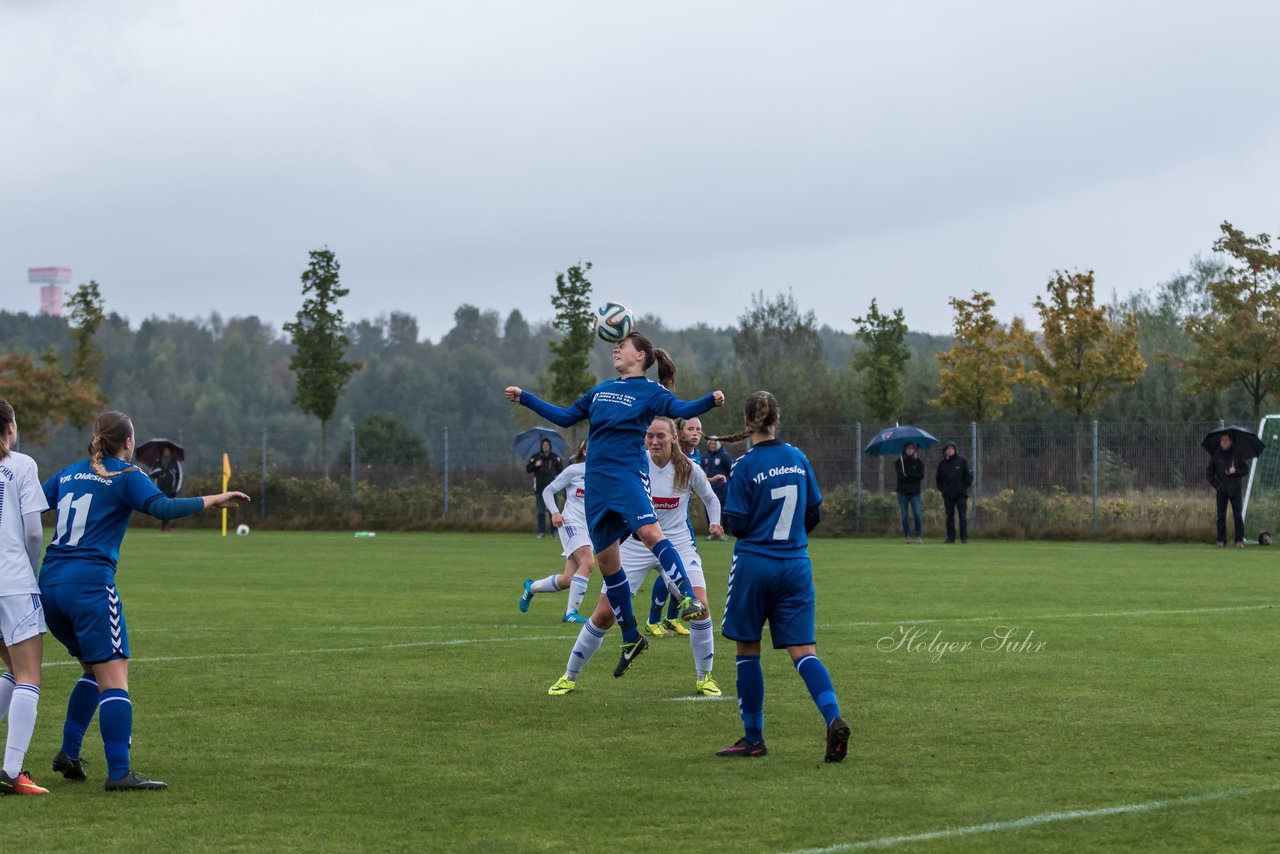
{"x": 544, "y": 464}
{"x": 910, "y": 471}
{"x": 1230, "y": 450}
{"x": 165, "y": 459}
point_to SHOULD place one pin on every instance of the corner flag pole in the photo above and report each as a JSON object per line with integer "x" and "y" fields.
{"x": 226, "y": 479}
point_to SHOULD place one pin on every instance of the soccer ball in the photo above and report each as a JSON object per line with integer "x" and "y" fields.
{"x": 242, "y": 530}
{"x": 614, "y": 322}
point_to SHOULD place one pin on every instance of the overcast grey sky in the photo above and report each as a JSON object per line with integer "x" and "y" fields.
{"x": 186, "y": 155}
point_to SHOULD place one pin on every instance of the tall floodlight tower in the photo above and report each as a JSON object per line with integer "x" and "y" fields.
{"x": 50, "y": 280}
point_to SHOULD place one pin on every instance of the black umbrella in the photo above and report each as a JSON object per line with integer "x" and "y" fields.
{"x": 149, "y": 452}
{"x": 1242, "y": 439}
{"x": 530, "y": 441}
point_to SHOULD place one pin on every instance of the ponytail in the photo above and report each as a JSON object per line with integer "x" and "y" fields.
{"x": 666, "y": 365}
{"x": 111, "y": 430}
{"x": 761, "y": 414}
{"x": 7, "y": 417}
{"x": 666, "y": 369}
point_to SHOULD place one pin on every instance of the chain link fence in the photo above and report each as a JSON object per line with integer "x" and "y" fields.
{"x": 1030, "y": 480}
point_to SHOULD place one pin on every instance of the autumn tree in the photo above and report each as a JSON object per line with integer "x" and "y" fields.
{"x": 978, "y": 373}
{"x": 1080, "y": 357}
{"x": 320, "y": 344}
{"x": 882, "y": 360}
{"x": 1237, "y": 341}
{"x": 37, "y": 390}
{"x": 572, "y": 301}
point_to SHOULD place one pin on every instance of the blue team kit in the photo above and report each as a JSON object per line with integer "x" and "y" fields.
{"x": 618, "y": 502}
{"x": 772, "y": 488}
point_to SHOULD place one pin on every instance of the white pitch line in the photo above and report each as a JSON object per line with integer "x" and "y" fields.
{"x": 1037, "y": 820}
{"x": 281, "y": 653}
{"x": 465, "y": 641}
{"x": 697, "y": 699}
{"x": 1071, "y": 616}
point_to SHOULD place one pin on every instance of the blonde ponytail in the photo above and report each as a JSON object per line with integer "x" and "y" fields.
{"x": 111, "y": 431}
{"x": 761, "y": 413}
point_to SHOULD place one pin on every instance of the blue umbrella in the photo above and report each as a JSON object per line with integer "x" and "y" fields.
{"x": 890, "y": 441}
{"x": 530, "y": 441}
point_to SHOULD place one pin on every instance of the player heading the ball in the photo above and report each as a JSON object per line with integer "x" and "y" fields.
{"x": 617, "y": 500}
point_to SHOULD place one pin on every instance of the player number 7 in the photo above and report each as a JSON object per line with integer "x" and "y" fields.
{"x": 788, "y": 494}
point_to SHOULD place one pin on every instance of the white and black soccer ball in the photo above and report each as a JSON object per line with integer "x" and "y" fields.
{"x": 242, "y": 530}
{"x": 614, "y": 321}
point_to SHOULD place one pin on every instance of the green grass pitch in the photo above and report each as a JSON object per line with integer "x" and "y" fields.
{"x": 320, "y": 692}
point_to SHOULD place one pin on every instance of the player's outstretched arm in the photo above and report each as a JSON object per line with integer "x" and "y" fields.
{"x": 692, "y": 408}
{"x": 224, "y": 499}
{"x": 558, "y": 415}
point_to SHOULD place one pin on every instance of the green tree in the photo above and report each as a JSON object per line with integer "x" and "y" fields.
{"x": 320, "y": 344}
{"x": 383, "y": 439}
{"x": 85, "y": 398}
{"x": 1081, "y": 357}
{"x": 979, "y": 372}
{"x": 1237, "y": 341}
{"x": 882, "y": 360}
{"x": 572, "y": 302}
{"x": 778, "y": 348}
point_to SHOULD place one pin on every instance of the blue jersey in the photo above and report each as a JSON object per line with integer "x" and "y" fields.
{"x": 92, "y": 515}
{"x": 771, "y": 489}
{"x": 620, "y": 411}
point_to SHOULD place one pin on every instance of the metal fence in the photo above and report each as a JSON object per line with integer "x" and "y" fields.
{"x": 1089, "y": 461}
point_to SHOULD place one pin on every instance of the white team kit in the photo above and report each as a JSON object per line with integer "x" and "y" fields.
{"x": 672, "y": 507}
{"x": 20, "y": 493}
{"x": 573, "y": 533}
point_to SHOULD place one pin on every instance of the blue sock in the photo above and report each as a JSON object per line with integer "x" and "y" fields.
{"x": 672, "y": 566}
{"x": 619, "y": 595}
{"x": 80, "y": 708}
{"x": 659, "y": 599}
{"x": 673, "y": 608}
{"x": 751, "y": 697}
{"x": 115, "y": 720}
{"x": 818, "y": 681}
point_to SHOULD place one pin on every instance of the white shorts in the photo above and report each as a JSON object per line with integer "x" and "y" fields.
{"x": 572, "y": 538}
{"x": 638, "y": 562}
{"x": 21, "y": 618}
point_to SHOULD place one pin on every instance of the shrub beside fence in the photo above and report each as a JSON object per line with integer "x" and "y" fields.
{"x": 1055, "y": 481}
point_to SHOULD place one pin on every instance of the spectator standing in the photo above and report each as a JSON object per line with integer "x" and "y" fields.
{"x": 953, "y": 479}
{"x": 910, "y": 472}
{"x": 544, "y": 466}
{"x": 717, "y": 466}
{"x": 1227, "y": 470}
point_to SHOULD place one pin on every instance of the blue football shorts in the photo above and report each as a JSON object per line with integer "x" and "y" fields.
{"x": 617, "y": 506}
{"x": 88, "y": 619}
{"x": 777, "y": 590}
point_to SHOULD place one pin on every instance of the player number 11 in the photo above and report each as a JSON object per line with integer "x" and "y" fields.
{"x": 80, "y": 505}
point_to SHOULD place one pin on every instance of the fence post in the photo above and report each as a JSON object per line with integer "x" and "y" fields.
{"x": 977, "y": 470}
{"x": 262, "y": 493}
{"x": 353, "y": 469}
{"x": 857, "y": 504}
{"x": 446, "y": 474}
{"x": 1095, "y": 477}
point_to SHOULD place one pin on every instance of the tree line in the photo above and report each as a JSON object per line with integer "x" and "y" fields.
{"x": 1203, "y": 345}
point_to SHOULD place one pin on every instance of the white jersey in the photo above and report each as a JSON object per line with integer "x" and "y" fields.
{"x": 672, "y": 505}
{"x": 20, "y": 493}
{"x": 572, "y": 479}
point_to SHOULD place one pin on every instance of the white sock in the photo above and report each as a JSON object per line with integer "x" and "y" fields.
{"x": 545, "y": 585}
{"x": 703, "y": 643}
{"x": 22, "y": 722}
{"x": 577, "y": 592}
{"x": 6, "y": 692}
{"x": 584, "y": 647}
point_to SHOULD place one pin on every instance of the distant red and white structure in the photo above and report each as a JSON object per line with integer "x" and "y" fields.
{"x": 51, "y": 280}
